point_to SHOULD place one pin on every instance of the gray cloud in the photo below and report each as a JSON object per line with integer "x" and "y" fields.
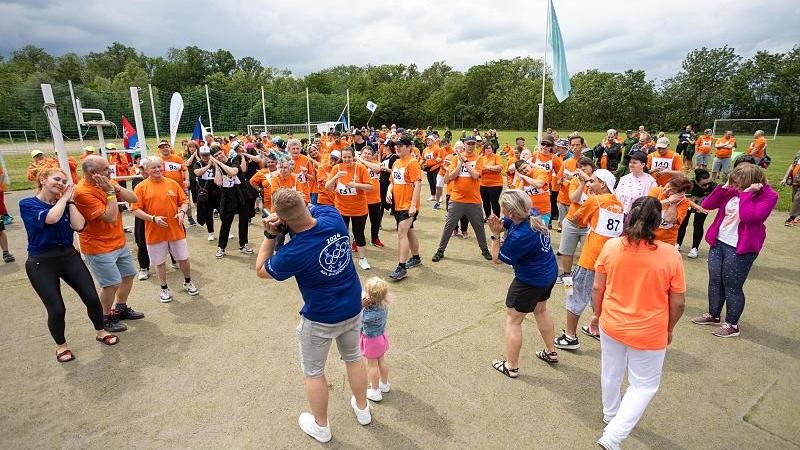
{"x": 612, "y": 35}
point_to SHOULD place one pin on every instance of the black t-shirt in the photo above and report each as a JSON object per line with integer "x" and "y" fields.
{"x": 358, "y": 146}
{"x": 698, "y": 192}
{"x": 384, "y": 177}
{"x": 684, "y": 137}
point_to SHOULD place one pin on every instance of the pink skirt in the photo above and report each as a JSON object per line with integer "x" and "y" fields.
{"x": 373, "y": 347}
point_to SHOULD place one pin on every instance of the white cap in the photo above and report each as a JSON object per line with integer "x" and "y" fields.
{"x": 204, "y": 150}
{"x": 336, "y": 154}
{"x": 662, "y": 142}
{"x": 611, "y": 132}
{"x": 607, "y": 178}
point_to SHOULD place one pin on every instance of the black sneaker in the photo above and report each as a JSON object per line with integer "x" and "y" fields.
{"x": 560, "y": 278}
{"x": 128, "y": 313}
{"x": 486, "y": 254}
{"x": 413, "y": 262}
{"x": 191, "y": 221}
{"x": 567, "y": 343}
{"x": 398, "y": 274}
{"x": 112, "y": 325}
{"x": 8, "y": 257}
{"x": 437, "y": 256}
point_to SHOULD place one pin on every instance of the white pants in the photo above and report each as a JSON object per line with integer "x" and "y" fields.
{"x": 644, "y": 375}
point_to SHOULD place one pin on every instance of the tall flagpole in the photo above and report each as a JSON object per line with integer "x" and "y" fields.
{"x": 544, "y": 76}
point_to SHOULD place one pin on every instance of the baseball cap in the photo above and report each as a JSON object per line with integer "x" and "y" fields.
{"x": 136, "y": 154}
{"x": 546, "y": 142}
{"x": 204, "y": 150}
{"x": 35, "y": 153}
{"x": 263, "y": 134}
{"x": 336, "y": 154}
{"x": 663, "y": 142}
{"x": 478, "y": 138}
{"x": 469, "y": 139}
{"x": 89, "y": 149}
{"x": 611, "y": 131}
{"x": 231, "y": 135}
{"x": 111, "y": 146}
{"x": 389, "y": 143}
{"x": 607, "y": 178}
{"x": 562, "y": 143}
{"x": 404, "y": 141}
{"x": 431, "y": 136}
{"x": 162, "y": 143}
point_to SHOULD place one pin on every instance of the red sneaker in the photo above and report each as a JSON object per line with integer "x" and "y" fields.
{"x": 377, "y": 243}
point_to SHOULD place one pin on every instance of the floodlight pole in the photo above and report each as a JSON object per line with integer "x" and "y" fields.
{"x": 55, "y": 128}
{"x": 208, "y": 104}
{"x": 264, "y": 108}
{"x": 75, "y": 110}
{"x": 349, "y": 123}
{"x": 137, "y": 117}
{"x": 540, "y": 123}
{"x": 308, "y": 116}
{"x": 152, "y": 108}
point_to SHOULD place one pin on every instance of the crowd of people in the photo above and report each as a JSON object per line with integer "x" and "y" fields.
{"x": 625, "y": 203}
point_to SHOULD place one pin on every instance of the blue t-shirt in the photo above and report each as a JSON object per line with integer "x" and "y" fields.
{"x": 42, "y": 237}
{"x": 529, "y": 253}
{"x": 321, "y": 262}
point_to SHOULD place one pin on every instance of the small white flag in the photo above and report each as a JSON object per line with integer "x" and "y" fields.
{"x": 371, "y": 106}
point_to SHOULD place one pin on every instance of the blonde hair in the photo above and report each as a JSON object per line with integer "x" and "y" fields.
{"x": 517, "y": 203}
{"x": 743, "y": 175}
{"x": 377, "y": 290}
{"x": 45, "y": 173}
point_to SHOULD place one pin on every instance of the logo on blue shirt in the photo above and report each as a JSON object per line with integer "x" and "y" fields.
{"x": 335, "y": 256}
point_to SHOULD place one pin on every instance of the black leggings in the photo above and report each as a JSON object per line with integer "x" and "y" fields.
{"x": 432, "y": 180}
{"x": 491, "y": 200}
{"x": 225, "y": 227}
{"x": 138, "y": 236}
{"x": 463, "y": 222}
{"x": 45, "y": 275}
{"x": 697, "y": 233}
{"x": 554, "y": 207}
{"x": 375, "y": 219}
{"x": 384, "y": 189}
{"x": 359, "y": 224}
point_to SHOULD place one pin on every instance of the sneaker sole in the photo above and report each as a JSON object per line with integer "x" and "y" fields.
{"x": 398, "y": 278}
{"x": 726, "y": 335}
{"x": 166, "y": 300}
{"x": 705, "y": 323}
{"x": 193, "y": 294}
{"x": 568, "y": 346}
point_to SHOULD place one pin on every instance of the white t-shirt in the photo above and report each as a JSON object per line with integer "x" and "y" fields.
{"x": 729, "y": 229}
{"x": 631, "y": 187}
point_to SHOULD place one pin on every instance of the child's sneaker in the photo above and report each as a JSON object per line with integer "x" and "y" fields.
{"x": 363, "y": 416}
{"x": 191, "y": 289}
{"x": 374, "y": 395}
{"x": 310, "y": 427}
{"x": 165, "y": 295}
{"x": 384, "y": 387}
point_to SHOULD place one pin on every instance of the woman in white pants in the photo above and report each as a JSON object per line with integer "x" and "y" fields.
{"x": 636, "y": 316}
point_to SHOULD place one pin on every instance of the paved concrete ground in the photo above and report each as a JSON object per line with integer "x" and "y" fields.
{"x": 220, "y": 370}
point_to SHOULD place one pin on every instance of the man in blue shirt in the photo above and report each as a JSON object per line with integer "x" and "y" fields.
{"x": 319, "y": 257}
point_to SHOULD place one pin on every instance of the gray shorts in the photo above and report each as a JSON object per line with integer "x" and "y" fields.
{"x": 110, "y": 268}
{"x": 562, "y": 210}
{"x": 582, "y": 281}
{"x": 570, "y": 236}
{"x": 721, "y": 165}
{"x": 702, "y": 159}
{"x": 315, "y": 342}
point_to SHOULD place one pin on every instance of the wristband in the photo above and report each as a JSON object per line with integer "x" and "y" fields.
{"x": 153, "y": 218}
{"x": 269, "y": 235}
{"x": 70, "y": 202}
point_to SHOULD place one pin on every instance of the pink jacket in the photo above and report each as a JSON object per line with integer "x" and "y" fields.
{"x": 754, "y": 208}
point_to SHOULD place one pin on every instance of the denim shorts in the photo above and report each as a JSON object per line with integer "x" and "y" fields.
{"x": 110, "y": 268}
{"x": 315, "y": 342}
{"x": 582, "y": 282}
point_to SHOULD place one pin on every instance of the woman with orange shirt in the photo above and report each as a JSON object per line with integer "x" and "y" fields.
{"x": 491, "y": 181}
{"x": 374, "y": 204}
{"x": 350, "y": 182}
{"x": 547, "y": 160}
{"x": 674, "y": 207}
{"x": 535, "y": 182}
{"x": 325, "y": 196}
{"x": 431, "y": 161}
{"x": 636, "y": 315}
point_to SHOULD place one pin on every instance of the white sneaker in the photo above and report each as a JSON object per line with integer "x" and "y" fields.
{"x": 220, "y": 253}
{"x": 174, "y": 265}
{"x": 384, "y": 387}
{"x": 231, "y": 236}
{"x": 363, "y": 415}
{"x": 210, "y": 237}
{"x": 310, "y": 427}
{"x": 606, "y": 443}
{"x": 143, "y": 274}
{"x": 430, "y": 199}
{"x": 363, "y": 263}
{"x": 692, "y": 253}
{"x": 165, "y": 295}
{"x": 191, "y": 288}
{"x": 678, "y": 247}
{"x": 246, "y": 249}
{"x": 374, "y": 395}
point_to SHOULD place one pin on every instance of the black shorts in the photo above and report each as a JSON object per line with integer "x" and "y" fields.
{"x": 681, "y": 147}
{"x": 524, "y": 297}
{"x": 400, "y": 216}
{"x": 2, "y": 225}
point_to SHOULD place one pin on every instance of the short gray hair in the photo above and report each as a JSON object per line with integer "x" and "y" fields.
{"x": 292, "y": 142}
{"x": 152, "y": 161}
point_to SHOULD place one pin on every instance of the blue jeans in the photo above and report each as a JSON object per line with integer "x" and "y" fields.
{"x": 727, "y": 272}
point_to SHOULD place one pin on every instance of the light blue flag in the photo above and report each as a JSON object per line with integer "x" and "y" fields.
{"x": 561, "y": 84}
{"x": 343, "y": 120}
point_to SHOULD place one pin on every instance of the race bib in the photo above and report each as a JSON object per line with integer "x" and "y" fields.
{"x": 112, "y": 170}
{"x": 464, "y": 171}
{"x": 609, "y": 223}
{"x": 531, "y": 190}
{"x": 302, "y": 177}
{"x": 428, "y": 156}
{"x": 546, "y": 165}
{"x": 372, "y": 174}
{"x": 208, "y": 175}
{"x": 343, "y": 189}
{"x": 663, "y": 163}
{"x": 399, "y": 175}
{"x": 170, "y": 166}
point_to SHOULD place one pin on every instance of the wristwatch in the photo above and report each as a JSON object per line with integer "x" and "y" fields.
{"x": 495, "y": 238}
{"x": 269, "y": 235}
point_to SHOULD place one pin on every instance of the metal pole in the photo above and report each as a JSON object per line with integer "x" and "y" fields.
{"x": 308, "y": 116}
{"x": 544, "y": 76}
{"x": 208, "y": 104}
{"x": 102, "y": 141}
{"x": 75, "y": 110}
{"x": 349, "y": 123}
{"x": 137, "y": 118}
{"x": 152, "y": 108}
{"x": 264, "y": 108}
{"x": 55, "y": 128}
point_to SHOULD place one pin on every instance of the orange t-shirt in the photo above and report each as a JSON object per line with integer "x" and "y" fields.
{"x": 350, "y": 201}
{"x": 488, "y": 177}
{"x": 98, "y": 236}
{"x": 574, "y": 184}
{"x": 669, "y": 161}
{"x": 445, "y": 154}
{"x": 668, "y": 232}
{"x": 277, "y": 181}
{"x": 161, "y": 198}
{"x": 466, "y": 189}
{"x": 374, "y": 196}
{"x": 73, "y": 169}
{"x": 758, "y": 147}
{"x": 540, "y": 197}
{"x": 569, "y": 167}
{"x": 34, "y": 167}
{"x": 174, "y": 167}
{"x": 509, "y": 164}
{"x": 635, "y": 308}
{"x": 703, "y": 145}
{"x": 607, "y": 206}
{"x": 304, "y": 176}
{"x": 405, "y": 172}
{"x": 260, "y": 181}
{"x": 324, "y": 196}
{"x": 725, "y": 152}
{"x": 431, "y": 157}
{"x": 551, "y": 163}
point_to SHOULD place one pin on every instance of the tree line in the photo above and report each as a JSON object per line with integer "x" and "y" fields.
{"x": 711, "y": 83}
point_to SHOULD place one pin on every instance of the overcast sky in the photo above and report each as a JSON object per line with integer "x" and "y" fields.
{"x": 611, "y": 35}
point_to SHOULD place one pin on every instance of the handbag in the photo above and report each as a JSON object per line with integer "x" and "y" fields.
{"x": 202, "y": 193}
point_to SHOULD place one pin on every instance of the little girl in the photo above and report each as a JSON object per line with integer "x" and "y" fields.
{"x": 374, "y": 341}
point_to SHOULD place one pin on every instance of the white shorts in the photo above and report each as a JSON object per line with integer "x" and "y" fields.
{"x": 159, "y": 251}
{"x": 439, "y": 181}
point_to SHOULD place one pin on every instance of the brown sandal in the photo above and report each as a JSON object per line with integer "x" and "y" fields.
{"x": 108, "y": 339}
{"x": 550, "y": 358}
{"x": 60, "y": 355}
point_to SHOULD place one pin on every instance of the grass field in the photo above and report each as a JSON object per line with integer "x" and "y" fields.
{"x": 782, "y": 150}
